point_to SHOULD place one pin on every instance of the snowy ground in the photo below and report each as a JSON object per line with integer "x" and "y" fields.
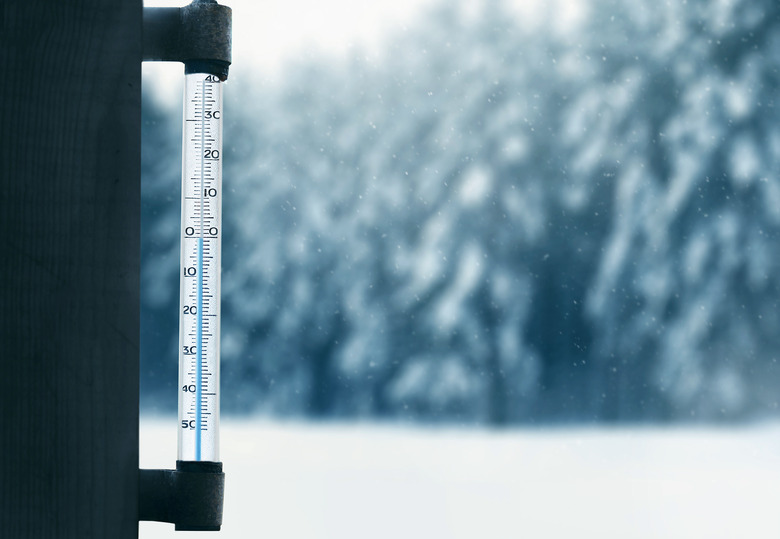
{"x": 369, "y": 482}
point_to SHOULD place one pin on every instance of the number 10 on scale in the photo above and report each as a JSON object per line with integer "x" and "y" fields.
{"x": 199, "y": 305}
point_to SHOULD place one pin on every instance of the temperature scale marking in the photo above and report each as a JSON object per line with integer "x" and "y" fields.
{"x": 199, "y": 383}
{"x": 201, "y": 221}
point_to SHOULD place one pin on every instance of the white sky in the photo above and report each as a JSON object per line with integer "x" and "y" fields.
{"x": 270, "y": 30}
{"x": 266, "y": 33}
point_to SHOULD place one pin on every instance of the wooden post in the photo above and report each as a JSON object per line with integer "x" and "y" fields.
{"x": 70, "y": 90}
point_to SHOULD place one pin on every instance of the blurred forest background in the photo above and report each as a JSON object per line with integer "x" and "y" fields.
{"x": 493, "y": 224}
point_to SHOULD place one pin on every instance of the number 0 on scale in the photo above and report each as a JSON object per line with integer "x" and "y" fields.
{"x": 201, "y": 261}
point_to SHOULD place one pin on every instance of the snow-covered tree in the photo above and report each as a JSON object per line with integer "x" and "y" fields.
{"x": 494, "y": 223}
{"x": 682, "y": 109}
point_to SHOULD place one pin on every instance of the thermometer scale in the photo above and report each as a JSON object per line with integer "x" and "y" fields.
{"x": 199, "y": 296}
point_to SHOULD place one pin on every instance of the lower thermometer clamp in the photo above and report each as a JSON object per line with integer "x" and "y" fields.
{"x": 191, "y": 496}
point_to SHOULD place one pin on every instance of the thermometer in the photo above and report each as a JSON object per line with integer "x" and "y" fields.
{"x": 199, "y": 296}
{"x": 199, "y": 35}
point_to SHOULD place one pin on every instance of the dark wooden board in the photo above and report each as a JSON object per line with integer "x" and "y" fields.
{"x": 69, "y": 267}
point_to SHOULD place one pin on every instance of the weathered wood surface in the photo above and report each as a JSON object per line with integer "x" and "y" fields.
{"x": 69, "y": 267}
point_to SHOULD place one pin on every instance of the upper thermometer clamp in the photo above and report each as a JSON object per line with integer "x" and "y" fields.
{"x": 198, "y": 34}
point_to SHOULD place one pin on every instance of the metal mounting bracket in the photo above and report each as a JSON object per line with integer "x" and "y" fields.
{"x": 198, "y": 34}
{"x": 191, "y": 496}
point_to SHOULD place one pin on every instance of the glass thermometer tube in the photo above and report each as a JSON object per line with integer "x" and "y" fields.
{"x": 199, "y": 298}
